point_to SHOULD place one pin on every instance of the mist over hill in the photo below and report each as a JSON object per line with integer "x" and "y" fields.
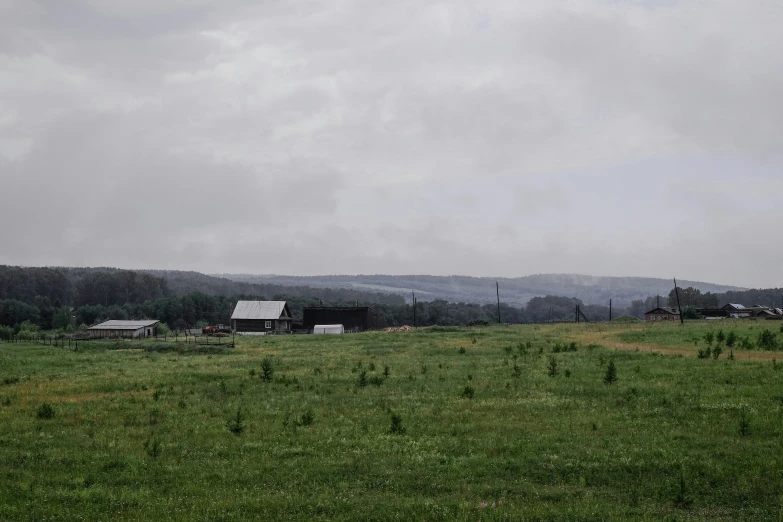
{"x": 513, "y": 291}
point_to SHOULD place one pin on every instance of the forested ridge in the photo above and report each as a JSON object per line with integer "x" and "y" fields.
{"x": 70, "y": 298}
{"x": 517, "y": 291}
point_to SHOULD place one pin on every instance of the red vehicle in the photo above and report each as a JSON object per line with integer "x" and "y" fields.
{"x": 214, "y": 330}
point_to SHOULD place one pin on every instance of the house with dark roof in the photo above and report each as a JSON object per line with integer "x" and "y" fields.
{"x": 261, "y": 317}
{"x": 662, "y": 313}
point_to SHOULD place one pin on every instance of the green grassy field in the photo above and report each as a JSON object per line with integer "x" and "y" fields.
{"x": 467, "y": 425}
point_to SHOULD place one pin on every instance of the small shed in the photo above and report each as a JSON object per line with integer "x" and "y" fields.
{"x": 662, "y": 313}
{"x": 261, "y": 317}
{"x": 124, "y": 329}
{"x": 328, "y": 329}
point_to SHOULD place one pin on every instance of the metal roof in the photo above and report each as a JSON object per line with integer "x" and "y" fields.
{"x": 737, "y": 306}
{"x": 123, "y": 325}
{"x": 265, "y": 310}
{"x": 666, "y": 309}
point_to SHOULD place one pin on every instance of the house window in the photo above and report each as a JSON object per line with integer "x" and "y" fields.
{"x": 268, "y": 325}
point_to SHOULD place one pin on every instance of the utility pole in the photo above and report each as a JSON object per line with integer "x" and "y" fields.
{"x": 497, "y": 289}
{"x": 677, "y": 293}
{"x": 414, "y": 309}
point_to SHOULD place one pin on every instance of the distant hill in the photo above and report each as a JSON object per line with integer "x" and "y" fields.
{"x": 513, "y": 291}
{"x": 181, "y": 283}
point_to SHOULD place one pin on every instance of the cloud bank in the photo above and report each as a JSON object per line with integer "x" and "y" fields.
{"x": 311, "y": 137}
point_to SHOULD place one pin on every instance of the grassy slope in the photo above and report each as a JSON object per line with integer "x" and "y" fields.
{"x": 551, "y": 448}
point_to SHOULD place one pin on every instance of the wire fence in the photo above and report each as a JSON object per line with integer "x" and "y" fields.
{"x": 72, "y": 341}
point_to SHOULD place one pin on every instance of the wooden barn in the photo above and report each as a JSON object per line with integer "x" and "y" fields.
{"x": 662, "y": 313}
{"x": 124, "y": 329}
{"x": 353, "y": 318}
{"x": 261, "y": 317}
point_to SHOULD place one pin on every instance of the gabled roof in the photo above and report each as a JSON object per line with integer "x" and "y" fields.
{"x": 735, "y": 306}
{"x": 260, "y": 310}
{"x": 663, "y": 309}
{"x": 123, "y": 325}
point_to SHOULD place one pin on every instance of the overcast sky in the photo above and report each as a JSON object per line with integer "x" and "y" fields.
{"x": 605, "y": 137}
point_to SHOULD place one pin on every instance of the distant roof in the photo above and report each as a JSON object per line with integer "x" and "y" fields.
{"x": 665, "y": 309}
{"x": 737, "y": 306}
{"x": 259, "y": 310}
{"x": 123, "y": 325}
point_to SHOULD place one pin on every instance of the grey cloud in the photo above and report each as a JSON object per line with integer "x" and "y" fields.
{"x": 325, "y": 137}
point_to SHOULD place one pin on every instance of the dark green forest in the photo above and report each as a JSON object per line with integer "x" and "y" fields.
{"x": 67, "y": 299}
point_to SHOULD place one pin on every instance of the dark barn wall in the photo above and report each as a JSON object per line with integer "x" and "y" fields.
{"x": 358, "y": 318}
{"x": 259, "y": 325}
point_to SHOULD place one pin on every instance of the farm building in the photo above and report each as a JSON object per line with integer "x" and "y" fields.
{"x": 261, "y": 317}
{"x": 662, "y": 313}
{"x": 353, "y": 318}
{"x": 124, "y": 329}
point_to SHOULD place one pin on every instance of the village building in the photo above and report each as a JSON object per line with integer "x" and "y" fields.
{"x": 121, "y": 329}
{"x": 662, "y": 313}
{"x": 353, "y": 318}
{"x": 261, "y": 317}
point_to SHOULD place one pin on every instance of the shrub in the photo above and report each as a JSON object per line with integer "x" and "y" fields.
{"x": 372, "y": 367}
{"x": 153, "y": 447}
{"x": 396, "y": 427}
{"x": 551, "y": 367}
{"x": 362, "y": 382}
{"x": 6, "y": 333}
{"x": 517, "y": 371}
{"x": 462, "y": 350}
{"x": 611, "y": 373}
{"x": 236, "y": 424}
{"x": 721, "y": 337}
{"x": 163, "y": 329}
{"x": 731, "y": 339}
{"x": 267, "y": 370}
{"x": 386, "y": 371}
{"x": 704, "y": 354}
{"x": 681, "y": 499}
{"x": 709, "y": 337}
{"x": 767, "y": 340}
{"x": 744, "y": 425}
{"x": 376, "y": 380}
{"x": 469, "y": 392}
{"x": 716, "y": 352}
{"x": 45, "y": 411}
{"x": 307, "y": 418}
{"x": 567, "y": 373}
{"x": 317, "y": 371}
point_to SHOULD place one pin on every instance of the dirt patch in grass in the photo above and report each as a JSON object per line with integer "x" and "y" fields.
{"x": 606, "y": 339}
